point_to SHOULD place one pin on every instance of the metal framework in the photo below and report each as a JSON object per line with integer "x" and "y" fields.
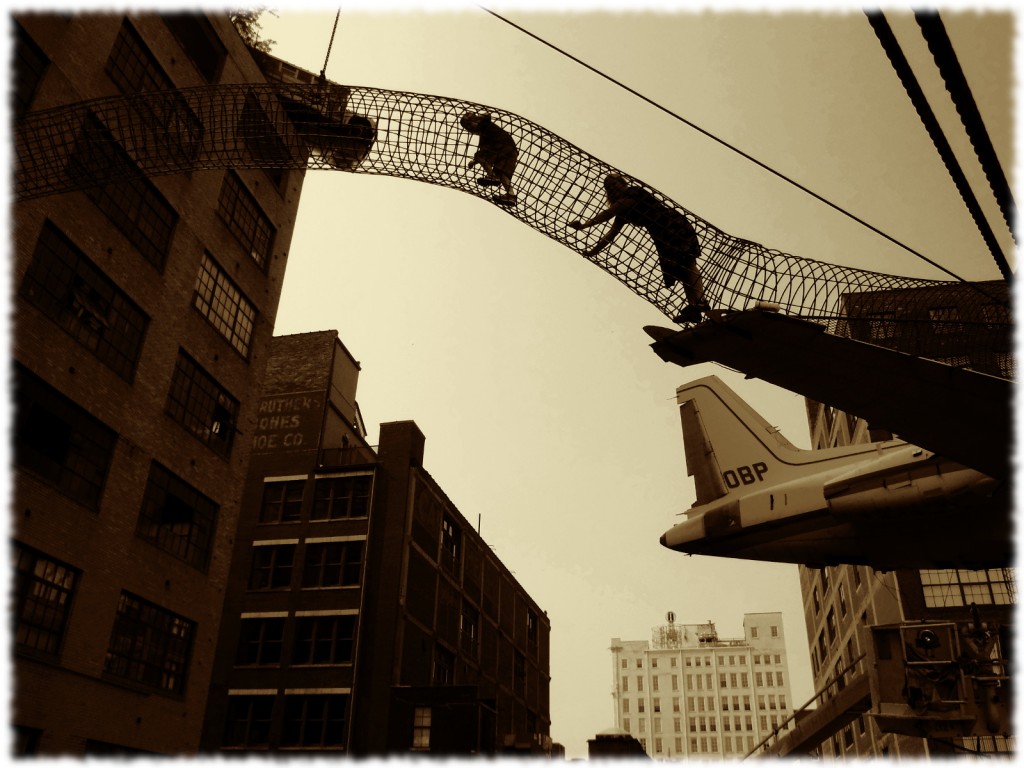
{"x": 417, "y": 136}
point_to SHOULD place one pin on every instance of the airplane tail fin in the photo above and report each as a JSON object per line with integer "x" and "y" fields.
{"x": 730, "y": 448}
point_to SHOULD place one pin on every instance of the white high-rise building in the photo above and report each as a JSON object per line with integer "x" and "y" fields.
{"x": 688, "y": 693}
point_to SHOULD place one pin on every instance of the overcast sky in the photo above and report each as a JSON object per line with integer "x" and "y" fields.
{"x": 545, "y": 411}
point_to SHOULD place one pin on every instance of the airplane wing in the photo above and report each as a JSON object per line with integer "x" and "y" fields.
{"x": 963, "y": 415}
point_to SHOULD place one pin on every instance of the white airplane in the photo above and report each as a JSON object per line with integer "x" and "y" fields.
{"x": 888, "y": 505}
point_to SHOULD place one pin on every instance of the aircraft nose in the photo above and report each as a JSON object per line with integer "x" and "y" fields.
{"x": 662, "y": 540}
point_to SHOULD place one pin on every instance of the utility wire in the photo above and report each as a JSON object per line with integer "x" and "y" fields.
{"x": 905, "y": 73}
{"x": 726, "y": 144}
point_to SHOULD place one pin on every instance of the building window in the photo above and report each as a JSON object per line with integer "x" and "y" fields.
{"x": 995, "y": 315}
{"x": 640, "y": 705}
{"x": 959, "y": 587}
{"x": 421, "y": 729}
{"x": 248, "y": 721}
{"x": 451, "y": 545}
{"x": 625, "y": 705}
{"x": 199, "y": 40}
{"x": 271, "y": 566}
{"x": 444, "y": 667}
{"x": 882, "y": 326}
{"x": 149, "y": 645}
{"x": 945, "y": 320}
{"x": 177, "y": 518}
{"x": 245, "y": 219}
{"x": 315, "y": 720}
{"x": 841, "y": 592}
{"x": 282, "y": 501}
{"x": 171, "y": 125}
{"x": 44, "y": 588}
{"x": 753, "y": 632}
{"x": 220, "y": 301}
{"x": 59, "y": 442}
{"x": 332, "y": 564}
{"x": 131, "y": 202}
{"x": 625, "y": 683}
{"x": 519, "y": 674}
{"x": 72, "y": 291}
{"x": 337, "y": 498}
{"x": 260, "y": 641}
{"x": 774, "y": 631}
{"x": 25, "y": 740}
{"x": 830, "y": 624}
{"x": 532, "y": 631}
{"x": 469, "y": 629}
{"x": 30, "y": 65}
{"x": 201, "y": 405}
{"x": 132, "y": 67}
{"x": 324, "y": 639}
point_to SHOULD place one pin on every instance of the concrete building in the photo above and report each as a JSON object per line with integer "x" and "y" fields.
{"x": 364, "y": 613}
{"x": 841, "y": 602}
{"x": 142, "y": 311}
{"x": 687, "y": 693}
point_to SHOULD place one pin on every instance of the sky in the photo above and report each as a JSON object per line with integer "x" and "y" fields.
{"x": 547, "y": 416}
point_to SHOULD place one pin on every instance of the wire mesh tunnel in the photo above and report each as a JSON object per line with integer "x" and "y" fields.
{"x": 421, "y": 137}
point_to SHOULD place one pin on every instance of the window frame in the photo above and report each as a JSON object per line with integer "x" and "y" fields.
{"x": 79, "y": 468}
{"x": 335, "y": 632}
{"x": 195, "y": 545}
{"x": 204, "y": 408}
{"x": 66, "y": 286}
{"x": 149, "y": 646}
{"x": 219, "y": 300}
{"x": 44, "y": 592}
{"x": 269, "y": 561}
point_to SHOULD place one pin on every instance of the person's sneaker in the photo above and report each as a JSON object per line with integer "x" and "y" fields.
{"x": 505, "y": 199}
{"x": 488, "y": 181}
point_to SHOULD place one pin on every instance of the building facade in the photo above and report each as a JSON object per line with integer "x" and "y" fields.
{"x": 142, "y": 314}
{"x": 688, "y": 694}
{"x": 364, "y": 614}
{"x": 841, "y": 602}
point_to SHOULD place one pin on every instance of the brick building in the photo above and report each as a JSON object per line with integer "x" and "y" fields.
{"x": 840, "y": 602}
{"x": 142, "y": 311}
{"x": 689, "y": 694}
{"x": 364, "y": 613}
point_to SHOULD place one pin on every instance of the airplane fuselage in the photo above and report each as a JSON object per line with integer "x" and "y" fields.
{"x": 889, "y": 505}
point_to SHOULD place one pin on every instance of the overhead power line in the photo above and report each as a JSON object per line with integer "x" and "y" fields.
{"x": 733, "y": 148}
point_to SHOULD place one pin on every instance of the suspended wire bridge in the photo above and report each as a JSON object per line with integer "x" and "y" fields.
{"x": 325, "y": 126}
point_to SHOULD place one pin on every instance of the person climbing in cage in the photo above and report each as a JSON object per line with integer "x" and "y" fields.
{"x": 674, "y": 238}
{"x": 496, "y": 153}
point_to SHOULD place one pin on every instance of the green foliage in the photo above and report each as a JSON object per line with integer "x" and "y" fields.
{"x": 247, "y": 22}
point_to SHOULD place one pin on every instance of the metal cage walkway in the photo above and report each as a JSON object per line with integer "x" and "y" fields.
{"x": 420, "y": 137}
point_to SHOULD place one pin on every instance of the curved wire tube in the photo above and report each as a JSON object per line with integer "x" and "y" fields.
{"x": 417, "y": 136}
